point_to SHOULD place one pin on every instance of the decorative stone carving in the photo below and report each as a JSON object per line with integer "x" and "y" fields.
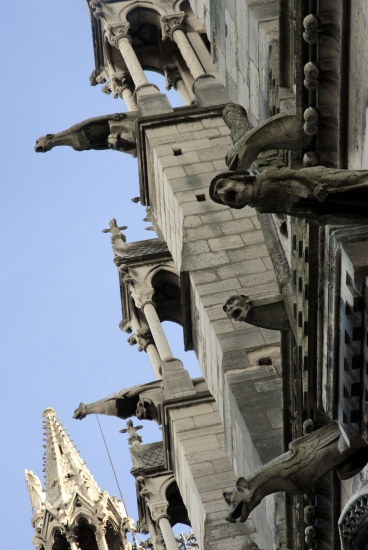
{"x": 315, "y": 25}
{"x": 171, "y": 23}
{"x": 353, "y": 522}
{"x": 115, "y": 33}
{"x": 118, "y": 239}
{"x": 322, "y": 71}
{"x": 142, "y": 295}
{"x": 132, "y": 431}
{"x": 126, "y": 326}
{"x": 100, "y": 532}
{"x": 142, "y": 340}
{"x": 94, "y": 133}
{"x": 310, "y": 536}
{"x": 97, "y": 9}
{"x": 101, "y": 506}
{"x": 98, "y": 76}
{"x": 129, "y": 523}
{"x": 36, "y": 493}
{"x": 187, "y": 541}
{"x": 124, "y": 403}
{"x": 309, "y": 514}
{"x": 319, "y": 117}
{"x": 266, "y": 312}
{"x": 283, "y": 131}
{"x": 298, "y": 470}
{"x": 159, "y": 510}
{"x": 316, "y": 192}
{"x": 172, "y": 75}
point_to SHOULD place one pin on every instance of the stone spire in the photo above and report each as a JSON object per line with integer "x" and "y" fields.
{"x": 72, "y": 508}
{"x": 65, "y": 472}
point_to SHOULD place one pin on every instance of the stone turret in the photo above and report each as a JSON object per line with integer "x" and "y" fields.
{"x": 72, "y": 511}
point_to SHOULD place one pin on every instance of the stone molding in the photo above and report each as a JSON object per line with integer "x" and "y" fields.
{"x": 159, "y": 510}
{"x": 115, "y": 33}
{"x": 171, "y": 23}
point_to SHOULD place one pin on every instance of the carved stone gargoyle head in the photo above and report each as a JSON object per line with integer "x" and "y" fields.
{"x": 237, "y": 307}
{"x": 265, "y": 312}
{"x": 240, "y": 501}
{"x": 44, "y": 143}
{"x": 234, "y": 189}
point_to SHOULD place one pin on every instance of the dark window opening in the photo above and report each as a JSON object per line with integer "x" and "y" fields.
{"x": 201, "y": 198}
{"x": 205, "y": 41}
{"x": 60, "y": 449}
{"x": 265, "y": 361}
{"x": 177, "y": 152}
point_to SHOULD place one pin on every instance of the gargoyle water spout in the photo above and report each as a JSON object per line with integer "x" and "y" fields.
{"x": 282, "y": 131}
{"x": 116, "y": 131}
{"x": 298, "y": 470}
{"x": 266, "y": 312}
{"x": 317, "y": 193}
{"x": 142, "y": 401}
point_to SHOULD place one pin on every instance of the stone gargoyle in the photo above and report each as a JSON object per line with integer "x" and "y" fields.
{"x": 318, "y": 193}
{"x": 143, "y": 401}
{"x": 266, "y": 312}
{"x": 297, "y": 471}
{"x": 283, "y": 131}
{"x": 116, "y": 131}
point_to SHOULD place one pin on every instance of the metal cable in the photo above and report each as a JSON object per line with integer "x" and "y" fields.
{"x": 112, "y": 466}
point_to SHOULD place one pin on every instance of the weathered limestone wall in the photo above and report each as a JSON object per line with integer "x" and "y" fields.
{"x": 358, "y": 87}
{"x": 203, "y": 472}
{"x": 241, "y": 35}
{"x": 224, "y": 252}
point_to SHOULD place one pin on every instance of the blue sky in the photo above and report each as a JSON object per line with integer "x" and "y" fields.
{"x": 60, "y": 341}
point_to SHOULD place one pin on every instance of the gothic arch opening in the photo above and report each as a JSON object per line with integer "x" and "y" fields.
{"x": 86, "y": 536}
{"x": 176, "y": 510}
{"x": 60, "y": 542}
{"x": 153, "y": 53}
{"x": 167, "y": 296}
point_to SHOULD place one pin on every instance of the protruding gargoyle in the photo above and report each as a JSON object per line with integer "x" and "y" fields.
{"x": 266, "y": 312}
{"x": 283, "y": 131}
{"x": 318, "y": 193}
{"x": 116, "y": 131}
{"x": 127, "y": 402}
{"x": 298, "y": 470}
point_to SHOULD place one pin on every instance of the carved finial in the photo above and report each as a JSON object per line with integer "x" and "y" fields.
{"x": 118, "y": 239}
{"x": 134, "y": 438}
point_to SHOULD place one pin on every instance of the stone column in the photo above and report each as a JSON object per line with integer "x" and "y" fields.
{"x": 177, "y": 382}
{"x": 155, "y": 360}
{"x": 157, "y": 331}
{"x": 159, "y": 515}
{"x": 174, "y": 80}
{"x": 173, "y": 27}
{"x": 127, "y": 96}
{"x": 150, "y": 100}
{"x": 183, "y": 92}
{"x": 73, "y": 541}
{"x": 119, "y": 38}
{"x": 100, "y": 538}
{"x": 145, "y": 342}
{"x": 126, "y": 92}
